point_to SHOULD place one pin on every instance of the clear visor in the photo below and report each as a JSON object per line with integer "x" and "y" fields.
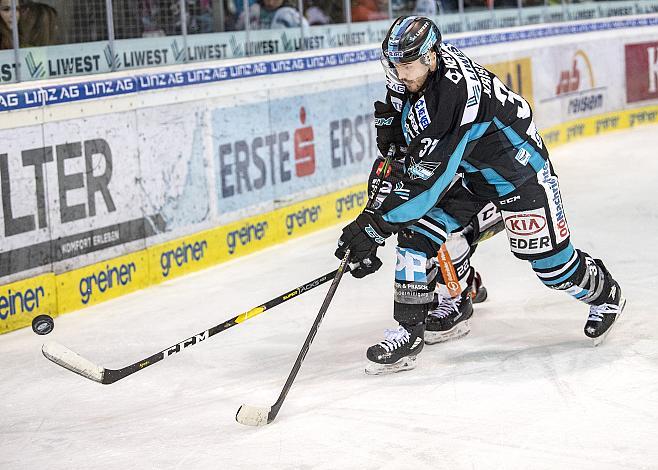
{"x": 389, "y": 69}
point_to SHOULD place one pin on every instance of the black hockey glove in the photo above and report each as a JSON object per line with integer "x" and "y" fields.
{"x": 366, "y": 266}
{"x": 388, "y": 123}
{"x": 362, "y": 236}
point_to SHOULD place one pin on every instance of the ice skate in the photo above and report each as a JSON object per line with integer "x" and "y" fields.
{"x": 397, "y": 352}
{"x": 478, "y": 291}
{"x": 603, "y": 317}
{"x": 450, "y": 319}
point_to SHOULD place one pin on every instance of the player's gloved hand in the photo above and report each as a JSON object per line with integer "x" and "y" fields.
{"x": 362, "y": 236}
{"x": 366, "y": 266}
{"x": 388, "y": 123}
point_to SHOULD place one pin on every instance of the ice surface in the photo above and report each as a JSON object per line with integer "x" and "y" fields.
{"x": 524, "y": 390}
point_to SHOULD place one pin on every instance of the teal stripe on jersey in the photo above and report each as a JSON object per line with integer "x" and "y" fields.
{"x": 405, "y": 113}
{"x": 559, "y": 259}
{"x": 503, "y": 187}
{"x": 449, "y": 222}
{"x": 425, "y": 201}
{"x": 564, "y": 277}
{"x": 536, "y": 161}
{"x": 418, "y": 206}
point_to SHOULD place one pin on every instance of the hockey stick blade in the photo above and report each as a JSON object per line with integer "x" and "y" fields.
{"x": 253, "y": 415}
{"x": 63, "y": 356}
{"x": 66, "y": 358}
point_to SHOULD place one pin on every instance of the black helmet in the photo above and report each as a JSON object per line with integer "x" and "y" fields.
{"x": 409, "y": 38}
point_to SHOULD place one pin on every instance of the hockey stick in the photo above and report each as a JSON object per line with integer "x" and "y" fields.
{"x": 261, "y": 415}
{"x": 63, "y": 356}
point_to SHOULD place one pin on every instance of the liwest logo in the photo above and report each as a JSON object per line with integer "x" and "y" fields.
{"x": 106, "y": 279}
{"x": 73, "y": 65}
{"x": 245, "y": 235}
{"x": 302, "y": 217}
{"x": 182, "y": 255}
{"x": 35, "y": 67}
{"x": 577, "y": 83}
{"x": 349, "y": 202}
{"x": 112, "y": 60}
{"x": 24, "y": 301}
{"x": 304, "y": 148}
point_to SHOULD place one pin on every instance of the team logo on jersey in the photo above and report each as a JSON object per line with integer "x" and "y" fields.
{"x": 422, "y": 170}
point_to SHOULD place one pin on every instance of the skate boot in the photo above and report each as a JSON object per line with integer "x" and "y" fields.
{"x": 478, "y": 291}
{"x": 603, "y": 317}
{"x": 449, "y": 319}
{"x": 398, "y": 350}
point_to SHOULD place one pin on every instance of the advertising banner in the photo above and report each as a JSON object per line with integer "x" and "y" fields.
{"x": 641, "y": 71}
{"x": 517, "y": 75}
{"x": 63, "y": 61}
{"x": 103, "y": 281}
{"x": 267, "y": 151}
{"x": 577, "y": 80}
{"x": 70, "y": 188}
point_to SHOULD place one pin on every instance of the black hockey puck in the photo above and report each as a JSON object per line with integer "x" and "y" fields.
{"x": 43, "y": 324}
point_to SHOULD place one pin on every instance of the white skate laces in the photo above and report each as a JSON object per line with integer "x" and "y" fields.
{"x": 394, "y": 338}
{"x": 598, "y": 312}
{"x": 447, "y": 305}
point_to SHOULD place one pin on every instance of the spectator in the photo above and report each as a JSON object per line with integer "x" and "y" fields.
{"x": 6, "y": 21}
{"x": 272, "y": 14}
{"x": 319, "y": 12}
{"x": 369, "y": 10}
{"x": 200, "y": 17}
{"x": 39, "y": 25}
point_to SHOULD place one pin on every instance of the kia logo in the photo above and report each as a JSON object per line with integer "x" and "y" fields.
{"x": 525, "y": 224}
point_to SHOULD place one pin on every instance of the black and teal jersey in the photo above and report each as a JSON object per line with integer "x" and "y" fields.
{"x": 465, "y": 120}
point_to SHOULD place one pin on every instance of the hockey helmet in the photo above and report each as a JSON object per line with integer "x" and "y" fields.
{"x": 410, "y": 38}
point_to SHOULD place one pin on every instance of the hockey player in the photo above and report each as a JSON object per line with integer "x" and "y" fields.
{"x": 458, "y": 285}
{"x": 454, "y": 115}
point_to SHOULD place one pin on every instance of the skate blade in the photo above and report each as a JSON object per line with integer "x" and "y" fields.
{"x": 406, "y": 363}
{"x": 480, "y": 296}
{"x": 600, "y": 339}
{"x": 458, "y": 331}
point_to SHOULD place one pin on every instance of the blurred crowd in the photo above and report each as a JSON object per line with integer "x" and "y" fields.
{"x": 50, "y": 22}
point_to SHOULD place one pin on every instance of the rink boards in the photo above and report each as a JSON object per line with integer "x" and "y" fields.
{"x": 105, "y": 195}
